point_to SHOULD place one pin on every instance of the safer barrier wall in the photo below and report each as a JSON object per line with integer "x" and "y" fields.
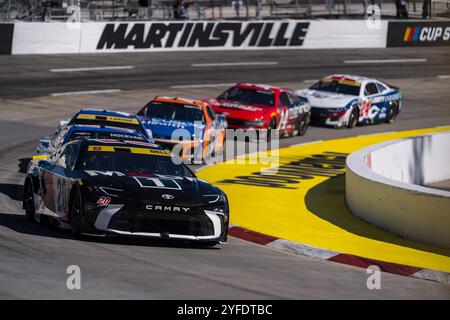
{"x": 140, "y": 36}
{"x": 101, "y": 37}
{"x": 382, "y": 187}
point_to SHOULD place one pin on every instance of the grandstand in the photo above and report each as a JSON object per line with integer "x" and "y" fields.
{"x": 123, "y": 10}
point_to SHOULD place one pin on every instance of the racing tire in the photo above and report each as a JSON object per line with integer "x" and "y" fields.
{"x": 28, "y": 201}
{"x": 76, "y": 214}
{"x": 303, "y": 125}
{"x": 353, "y": 119}
{"x": 272, "y": 126}
{"x": 392, "y": 113}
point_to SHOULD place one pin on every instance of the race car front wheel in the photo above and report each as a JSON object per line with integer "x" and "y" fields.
{"x": 272, "y": 126}
{"x": 76, "y": 214}
{"x": 28, "y": 201}
{"x": 303, "y": 125}
{"x": 353, "y": 119}
{"x": 392, "y": 113}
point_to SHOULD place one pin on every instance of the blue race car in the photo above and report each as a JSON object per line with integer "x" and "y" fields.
{"x": 73, "y": 132}
{"x": 106, "y": 118}
{"x": 202, "y": 129}
{"x": 347, "y": 100}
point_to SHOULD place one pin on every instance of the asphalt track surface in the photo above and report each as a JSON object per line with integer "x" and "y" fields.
{"x": 34, "y": 258}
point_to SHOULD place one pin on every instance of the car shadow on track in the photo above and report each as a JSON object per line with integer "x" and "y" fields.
{"x": 14, "y": 191}
{"x": 18, "y": 223}
{"x": 335, "y": 210}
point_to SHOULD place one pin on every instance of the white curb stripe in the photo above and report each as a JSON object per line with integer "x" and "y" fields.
{"x": 433, "y": 275}
{"x": 302, "y": 249}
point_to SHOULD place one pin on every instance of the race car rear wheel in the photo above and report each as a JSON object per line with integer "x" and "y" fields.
{"x": 76, "y": 214}
{"x": 353, "y": 119}
{"x": 28, "y": 201}
{"x": 392, "y": 113}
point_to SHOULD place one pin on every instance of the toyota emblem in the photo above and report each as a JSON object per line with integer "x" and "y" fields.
{"x": 167, "y": 196}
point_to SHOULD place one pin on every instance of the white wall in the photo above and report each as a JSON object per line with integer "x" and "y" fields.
{"x": 380, "y": 189}
{"x": 61, "y": 37}
{"x": 45, "y": 38}
{"x": 345, "y": 34}
{"x": 421, "y": 160}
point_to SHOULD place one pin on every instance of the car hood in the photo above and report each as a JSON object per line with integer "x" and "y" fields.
{"x": 238, "y": 110}
{"x": 156, "y": 189}
{"x": 163, "y": 128}
{"x": 324, "y": 99}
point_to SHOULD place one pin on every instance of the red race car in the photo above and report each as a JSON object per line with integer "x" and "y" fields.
{"x": 258, "y": 106}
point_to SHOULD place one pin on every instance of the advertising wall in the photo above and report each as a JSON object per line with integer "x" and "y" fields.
{"x": 45, "y": 38}
{"x": 330, "y": 34}
{"x": 418, "y": 33}
{"x": 6, "y": 37}
{"x": 101, "y": 37}
{"x": 167, "y": 36}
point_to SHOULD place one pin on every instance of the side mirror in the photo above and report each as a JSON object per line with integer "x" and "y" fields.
{"x": 150, "y": 134}
{"x": 221, "y": 121}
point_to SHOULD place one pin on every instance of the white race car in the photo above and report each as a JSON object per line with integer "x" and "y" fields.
{"x": 346, "y": 100}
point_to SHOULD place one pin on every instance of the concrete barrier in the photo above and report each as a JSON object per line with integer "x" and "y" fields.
{"x": 384, "y": 186}
{"x": 156, "y": 36}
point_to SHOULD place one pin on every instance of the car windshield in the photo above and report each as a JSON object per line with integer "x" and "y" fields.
{"x": 105, "y": 135}
{"x": 248, "y": 96}
{"x": 132, "y": 164}
{"x": 172, "y": 111}
{"x": 337, "y": 87}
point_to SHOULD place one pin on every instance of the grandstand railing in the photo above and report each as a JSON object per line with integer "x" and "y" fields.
{"x": 120, "y": 10}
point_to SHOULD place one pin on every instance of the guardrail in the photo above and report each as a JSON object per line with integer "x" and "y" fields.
{"x": 385, "y": 187}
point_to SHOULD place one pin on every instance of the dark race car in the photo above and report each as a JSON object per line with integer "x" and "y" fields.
{"x": 258, "y": 106}
{"x": 111, "y": 187}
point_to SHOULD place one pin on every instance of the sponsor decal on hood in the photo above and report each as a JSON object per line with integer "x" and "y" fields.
{"x": 325, "y": 99}
{"x": 165, "y": 128}
{"x": 173, "y": 123}
{"x": 235, "y": 105}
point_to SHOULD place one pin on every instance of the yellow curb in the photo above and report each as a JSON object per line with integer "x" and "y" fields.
{"x": 310, "y": 208}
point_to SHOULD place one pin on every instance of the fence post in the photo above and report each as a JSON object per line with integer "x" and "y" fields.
{"x": 246, "y": 10}
{"x": 258, "y": 8}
